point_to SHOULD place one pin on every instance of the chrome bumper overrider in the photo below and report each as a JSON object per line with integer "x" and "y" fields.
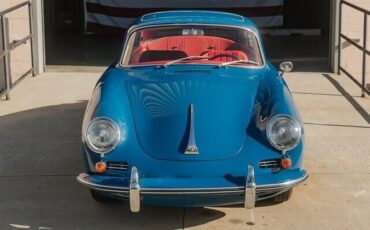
{"x": 251, "y": 191}
{"x": 134, "y": 191}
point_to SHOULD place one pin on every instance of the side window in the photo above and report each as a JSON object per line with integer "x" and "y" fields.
{"x": 137, "y": 39}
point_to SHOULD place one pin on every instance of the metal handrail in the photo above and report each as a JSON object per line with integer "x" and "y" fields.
{"x": 356, "y": 7}
{"x": 14, "y": 8}
{"x": 363, "y": 48}
{"x": 8, "y": 47}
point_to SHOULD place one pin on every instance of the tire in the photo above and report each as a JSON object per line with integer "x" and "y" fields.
{"x": 282, "y": 197}
{"x": 99, "y": 197}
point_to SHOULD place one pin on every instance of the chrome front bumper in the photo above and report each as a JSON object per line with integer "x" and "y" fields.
{"x": 251, "y": 191}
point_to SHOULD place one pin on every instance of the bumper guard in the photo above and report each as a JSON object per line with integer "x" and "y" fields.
{"x": 251, "y": 191}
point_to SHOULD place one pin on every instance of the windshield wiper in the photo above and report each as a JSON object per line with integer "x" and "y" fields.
{"x": 184, "y": 59}
{"x": 238, "y": 61}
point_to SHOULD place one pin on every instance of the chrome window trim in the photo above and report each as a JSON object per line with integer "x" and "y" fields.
{"x": 134, "y": 28}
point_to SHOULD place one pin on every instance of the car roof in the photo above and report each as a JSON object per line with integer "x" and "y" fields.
{"x": 194, "y": 17}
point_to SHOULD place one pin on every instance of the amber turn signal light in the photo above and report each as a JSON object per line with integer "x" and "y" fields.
{"x": 285, "y": 163}
{"x": 100, "y": 167}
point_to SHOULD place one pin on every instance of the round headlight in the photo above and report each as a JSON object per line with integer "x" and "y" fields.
{"x": 283, "y": 132}
{"x": 102, "y": 135}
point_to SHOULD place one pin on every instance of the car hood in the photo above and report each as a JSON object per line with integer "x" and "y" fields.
{"x": 222, "y": 101}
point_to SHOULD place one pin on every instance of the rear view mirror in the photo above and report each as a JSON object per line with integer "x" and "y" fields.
{"x": 285, "y": 67}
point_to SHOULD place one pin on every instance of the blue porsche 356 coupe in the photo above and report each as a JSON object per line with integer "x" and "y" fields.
{"x": 192, "y": 114}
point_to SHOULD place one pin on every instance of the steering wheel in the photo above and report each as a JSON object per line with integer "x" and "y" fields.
{"x": 225, "y": 55}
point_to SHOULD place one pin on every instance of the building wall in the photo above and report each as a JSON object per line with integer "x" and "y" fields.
{"x": 18, "y": 26}
{"x": 353, "y": 27}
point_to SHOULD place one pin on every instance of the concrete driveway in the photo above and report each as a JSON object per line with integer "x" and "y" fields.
{"x": 40, "y": 157}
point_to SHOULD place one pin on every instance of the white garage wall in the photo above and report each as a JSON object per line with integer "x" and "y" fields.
{"x": 352, "y": 27}
{"x": 18, "y": 26}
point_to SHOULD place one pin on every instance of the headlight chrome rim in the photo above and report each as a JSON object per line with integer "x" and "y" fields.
{"x": 95, "y": 148}
{"x": 273, "y": 120}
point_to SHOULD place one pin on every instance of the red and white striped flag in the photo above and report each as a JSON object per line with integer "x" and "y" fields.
{"x": 112, "y": 16}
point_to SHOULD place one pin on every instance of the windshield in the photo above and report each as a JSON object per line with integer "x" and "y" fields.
{"x": 173, "y": 44}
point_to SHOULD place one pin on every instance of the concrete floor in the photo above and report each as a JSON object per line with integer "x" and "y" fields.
{"x": 40, "y": 157}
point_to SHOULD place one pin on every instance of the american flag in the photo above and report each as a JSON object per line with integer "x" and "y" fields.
{"x": 114, "y": 16}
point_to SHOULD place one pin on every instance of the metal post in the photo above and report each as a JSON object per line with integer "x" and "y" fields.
{"x": 31, "y": 39}
{"x": 364, "y": 56}
{"x": 340, "y": 35}
{"x": 6, "y": 56}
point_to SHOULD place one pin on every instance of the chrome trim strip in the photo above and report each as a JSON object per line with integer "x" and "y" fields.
{"x": 183, "y": 191}
{"x": 117, "y": 167}
{"x": 81, "y": 179}
{"x": 134, "y": 190}
{"x": 194, "y": 189}
{"x": 110, "y": 190}
{"x": 287, "y": 184}
{"x": 275, "y": 193}
{"x": 269, "y": 163}
{"x": 250, "y": 189}
{"x": 191, "y": 147}
{"x": 118, "y": 164}
{"x": 191, "y": 192}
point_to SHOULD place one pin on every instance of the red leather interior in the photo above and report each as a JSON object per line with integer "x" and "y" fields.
{"x": 173, "y": 46}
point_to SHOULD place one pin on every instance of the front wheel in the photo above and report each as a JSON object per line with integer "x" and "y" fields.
{"x": 282, "y": 197}
{"x": 99, "y": 197}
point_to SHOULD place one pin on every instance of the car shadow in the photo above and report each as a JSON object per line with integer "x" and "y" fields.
{"x": 40, "y": 158}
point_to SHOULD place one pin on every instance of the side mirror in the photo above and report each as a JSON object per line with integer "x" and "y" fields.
{"x": 285, "y": 67}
